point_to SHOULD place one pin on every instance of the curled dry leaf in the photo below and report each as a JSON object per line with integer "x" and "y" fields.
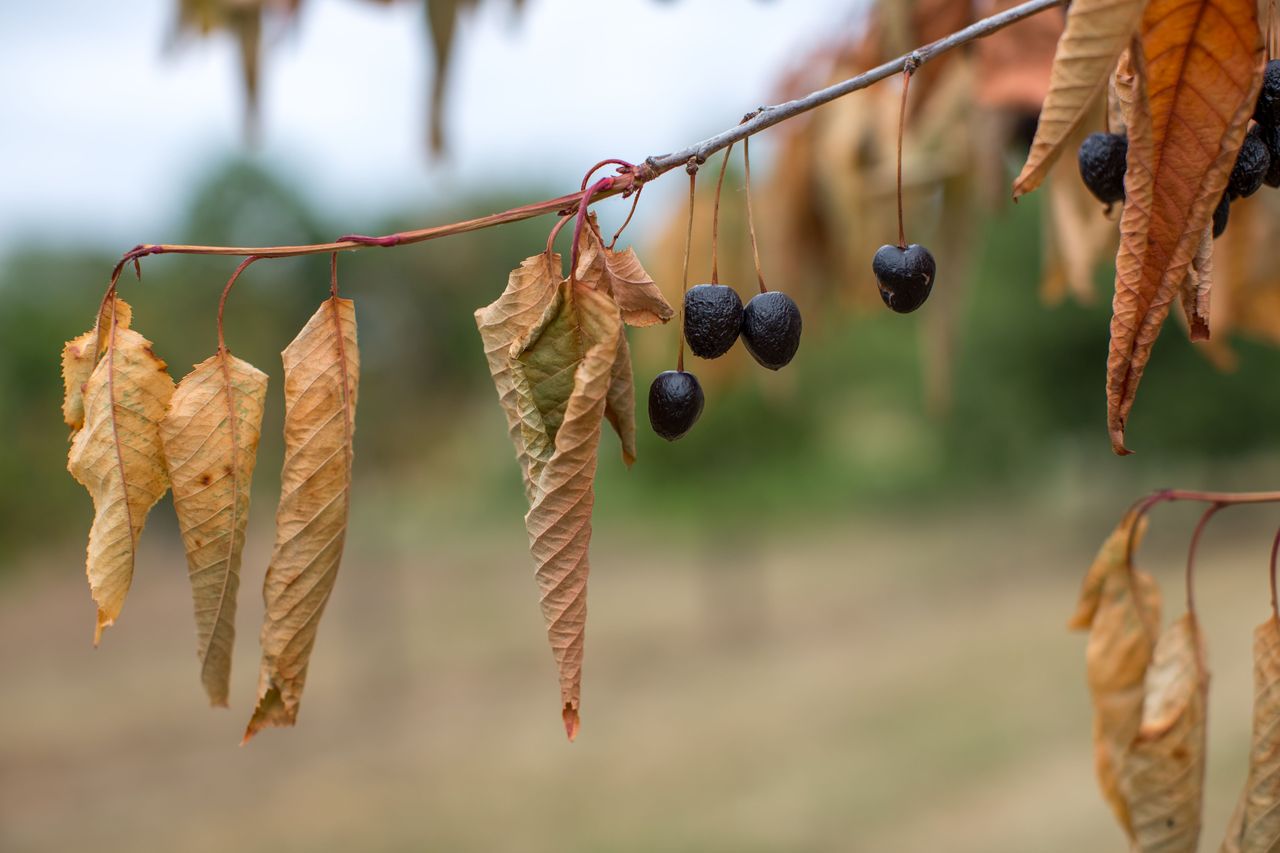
{"x": 1186, "y": 118}
{"x": 620, "y": 275}
{"x": 321, "y": 375}
{"x": 531, "y": 287}
{"x": 210, "y": 436}
{"x": 1097, "y": 32}
{"x": 116, "y": 455}
{"x": 79, "y": 358}
{"x": 1197, "y": 287}
{"x": 578, "y": 339}
{"x": 1163, "y": 775}
{"x": 1120, "y": 607}
{"x": 559, "y": 360}
{"x": 1255, "y": 826}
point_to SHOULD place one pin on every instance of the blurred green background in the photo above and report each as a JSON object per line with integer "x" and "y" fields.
{"x": 826, "y": 620}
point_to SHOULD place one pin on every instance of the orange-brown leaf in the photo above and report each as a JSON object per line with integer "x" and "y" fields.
{"x": 620, "y": 275}
{"x": 210, "y": 436}
{"x": 321, "y": 375}
{"x": 1201, "y": 72}
{"x": 1163, "y": 775}
{"x": 1097, "y": 32}
{"x": 578, "y": 337}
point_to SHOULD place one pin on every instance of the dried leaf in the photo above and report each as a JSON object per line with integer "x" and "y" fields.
{"x": 1120, "y": 606}
{"x": 1255, "y": 827}
{"x": 1201, "y": 77}
{"x": 531, "y": 288}
{"x": 210, "y": 436}
{"x": 1097, "y": 32}
{"x": 117, "y": 457}
{"x": 620, "y": 403}
{"x": 620, "y": 275}
{"x": 1163, "y": 775}
{"x": 578, "y": 339}
{"x": 321, "y": 375}
{"x": 79, "y": 358}
{"x": 1196, "y": 288}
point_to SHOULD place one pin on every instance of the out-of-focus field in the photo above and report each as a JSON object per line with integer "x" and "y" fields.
{"x": 885, "y": 685}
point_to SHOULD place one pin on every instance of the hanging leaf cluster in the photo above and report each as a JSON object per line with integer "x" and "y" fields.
{"x": 134, "y": 435}
{"x": 1149, "y": 690}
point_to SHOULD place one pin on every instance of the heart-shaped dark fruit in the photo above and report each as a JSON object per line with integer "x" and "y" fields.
{"x": 712, "y": 319}
{"x": 771, "y": 329}
{"x": 675, "y": 403}
{"x": 905, "y": 276}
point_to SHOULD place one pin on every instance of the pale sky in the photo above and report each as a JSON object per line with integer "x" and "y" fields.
{"x": 103, "y": 128}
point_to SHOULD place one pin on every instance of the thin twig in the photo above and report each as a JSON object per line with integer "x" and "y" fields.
{"x": 751, "y": 220}
{"x": 692, "y": 168}
{"x": 715, "y": 218}
{"x": 1191, "y": 553}
{"x": 226, "y": 291}
{"x": 631, "y": 180}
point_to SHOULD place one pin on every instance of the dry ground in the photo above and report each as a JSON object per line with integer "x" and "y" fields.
{"x": 874, "y": 686}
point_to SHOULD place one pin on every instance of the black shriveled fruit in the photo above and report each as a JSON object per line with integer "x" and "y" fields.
{"x": 1267, "y": 111}
{"x": 1252, "y": 164}
{"x": 1271, "y": 137}
{"x": 1220, "y": 214}
{"x": 675, "y": 403}
{"x": 771, "y": 329}
{"x": 905, "y": 276}
{"x": 1101, "y": 159}
{"x": 712, "y": 319}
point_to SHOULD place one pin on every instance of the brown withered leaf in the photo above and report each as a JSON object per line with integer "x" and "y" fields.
{"x": 620, "y": 275}
{"x": 210, "y": 437}
{"x": 577, "y": 339}
{"x": 1097, "y": 32}
{"x": 79, "y": 358}
{"x": 1120, "y": 606}
{"x": 531, "y": 288}
{"x": 321, "y": 376}
{"x": 1255, "y": 827}
{"x": 1163, "y": 775}
{"x": 117, "y": 456}
{"x": 620, "y": 403}
{"x": 1203, "y": 63}
{"x": 1196, "y": 288}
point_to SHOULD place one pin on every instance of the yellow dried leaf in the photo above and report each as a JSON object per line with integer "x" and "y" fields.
{"x": 79, "y": 358}
{"x": 1097, "y": 32}
{"x": 321, "y": 375}
{"x": 620, "y": 275}
{"x": 1186, "y": 119}
{"x": 117, "y": 457}
{"x": 1120, "y": 606}
{"x": 1162, "y": 777}
{"x": 210, "y": 436}
{"x": 531, "y": 287}
{"x": 578, "y": 337}
{"x": 1255, "y": 827}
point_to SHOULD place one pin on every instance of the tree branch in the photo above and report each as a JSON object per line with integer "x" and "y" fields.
{"x": 632, "y": 179}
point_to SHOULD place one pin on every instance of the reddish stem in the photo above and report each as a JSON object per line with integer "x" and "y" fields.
{"x": 907, "y": 68}
{"x": 226, "y": 291}
{"x": 601, "y": 185}
{"x": 692, "y": 169}
{"x": 623, "y": 164}
{"x": 715, "y": 219}
{"x": 555, "y": 232}
{"x": 635, "y": 200}
{"x": 751, "y": 220}
{"x": 1191, "y": 553}
{"x": 1275, "y": 546}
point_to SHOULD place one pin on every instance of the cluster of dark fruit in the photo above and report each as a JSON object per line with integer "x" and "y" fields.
{"x": 714, "y": 319}
{"x": 1102, "y": 156}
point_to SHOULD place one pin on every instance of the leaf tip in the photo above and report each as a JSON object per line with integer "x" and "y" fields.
{"x": 571, "y": 721}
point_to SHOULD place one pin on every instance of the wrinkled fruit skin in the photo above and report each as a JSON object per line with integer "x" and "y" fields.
{"x": 1267, "y": 111}
{"x": 1101, "y": 160}
{"x": 1220, "y": 215}
{"x": 905, "y": 276}
{"x": 675, "y": 403}
{"x": 712, "y": 319}
{"x": 771, "y": 329}
{"x": 1271, "y": 138}
{"x": 1252, "y": 164}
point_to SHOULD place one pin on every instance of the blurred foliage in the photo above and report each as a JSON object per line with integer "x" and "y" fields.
{"x": 844, "y": 426}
